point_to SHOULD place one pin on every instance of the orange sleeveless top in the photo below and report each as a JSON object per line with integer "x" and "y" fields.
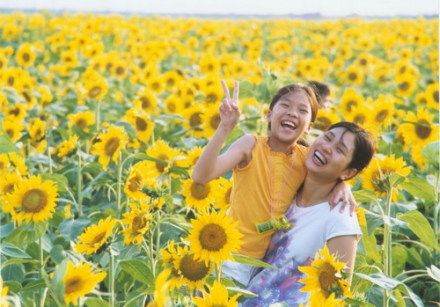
{"x": 263, "y": 189}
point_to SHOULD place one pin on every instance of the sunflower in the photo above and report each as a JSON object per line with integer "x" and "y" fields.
{"x": 194, "y": 119}
{"x": 141, "y": 123}
{"x": 211, "y": 120}
{"x": 360, "y": 214}
{"x": 110, "y": 145}
{"x": 66, "y": 148}
{"x": 171, "y": 78}
{"x": 405, "y": 85}
{"x": 354, "y": 75}
{"x": 155, "y": 84}
{"x": 323, "y": 279}
{"x": 214, "y": 237}
{"x": 224, "y": 190}
{"x": 8, "y": 183}
{"x": 418, "y": 129}
{"x": 12, "y": 128}
{"x": 80, "y": 280}
{"x": 137, "y": 221}
{"x": 192, "y": 157}
{"x": 217, "y": 296}
{"x": 33, "y": 200}
{"x": 383, "y": 110}
{"x": 37, "y": 130}
{"x": 192, "y": 272}
{"x": 199, "y": 196}
{"x": 161, "y": 289}
{"x": 360, "y": 116}
{"x": 96, "y": 88}
{"x": 173, "y": 104}
{"x": 94, "y": 237}
{"x": 375, "y": 176}
{"x": 418, "y": 158}
{"x": 16, "y": 163}
{"x": 325, "y": 119}
{"x": 209, "y": 64}
{"x": 82, "y": 120}
{"x": 350, "y": 100}
{"x": 166, "y": 155}
{"x": 26, "y": 55}
{"x": 4, "y": 301}
{"x": 146, "y": 100}
{"x": 17, "y": 112}
{"x": 432, "y": 96}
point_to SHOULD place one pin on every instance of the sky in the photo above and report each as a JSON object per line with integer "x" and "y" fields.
{"x": 330, "y": 8}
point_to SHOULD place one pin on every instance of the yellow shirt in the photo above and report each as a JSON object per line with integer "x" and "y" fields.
{"x": 263, "y": 189}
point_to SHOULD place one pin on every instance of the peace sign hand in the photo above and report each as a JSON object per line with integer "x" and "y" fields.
{"x": 229, "y": 111}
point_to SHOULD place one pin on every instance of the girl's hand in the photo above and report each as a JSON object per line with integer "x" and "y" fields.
{"x": 342, "y": 193}
{"x": 229, "y": 111}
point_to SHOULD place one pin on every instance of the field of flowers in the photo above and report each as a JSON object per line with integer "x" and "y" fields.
{"x": 104, "y": 116}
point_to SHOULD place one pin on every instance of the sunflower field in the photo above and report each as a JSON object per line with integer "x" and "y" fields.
{"x": 104, "y": 116}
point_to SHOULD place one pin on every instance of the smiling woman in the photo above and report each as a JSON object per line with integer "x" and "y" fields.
{"x": 339, "y": 154}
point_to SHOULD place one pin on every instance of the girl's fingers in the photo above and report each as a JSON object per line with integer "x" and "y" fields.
{"x": 236, "y": 91}
{"x": 225, "y": 89}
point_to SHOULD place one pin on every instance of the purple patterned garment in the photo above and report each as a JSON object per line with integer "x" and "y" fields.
{"x": 281, "y": 285}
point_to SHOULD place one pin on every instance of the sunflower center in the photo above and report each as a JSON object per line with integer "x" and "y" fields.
{"x": 120, "y": 70}
{"x": 351, "y": 104}
{"x": 98, "y": 238}
{"x": 404, "y": 86}
{"x": 145, "y": 102}
{"x": 94, "y": 91}
{"x": 161, "y": 165}
{"x": 352, "y": 76}
{"x": 11, "y": 81}
{"x": 111, "y": 146}
{"x": 139, "y": 222}
{"x": 213, "y": 237}
{"x": 14, "y": 111}
{"x": 359, "y": 119}
{"x": 135, "y": 183}
{"x": 423, "y": 130}
{"x": 26, "y": 96}
{"x": 34, "y": 200}
{"x": 9, "y": 188}
{"x": 26, "y": 57}
{"x": 192, "y": 269}
{"x": 73, "y": 285}
{"x": 81, "y": 123}
{"x": 322, "y": 123}
{"x": 141, "y": 124}
{"x": 215, "y": 121}
{"x": 363, "y": 62}
{"x": 381, "y": 116}
{"x": 200, "y": 191}
{"x": 195, "y": 120}
{"x": 211, "y": 98}
{"x": 327, "y": 278}
{"x": 435, "y": 96}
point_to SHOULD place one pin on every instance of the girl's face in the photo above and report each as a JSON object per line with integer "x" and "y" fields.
{"x": 330, "y": 155}
{"x": 290, "y": 117}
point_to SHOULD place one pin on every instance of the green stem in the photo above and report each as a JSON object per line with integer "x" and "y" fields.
{"x": 98, "y": 115}
{"x": 112, "y": 280}
{"x": 40, "y": 258}
{"x": 48, "y": 152}
{"x": 118, "y": 187}
{"x": 413, "y": 277}
{"x": 387, "y": 258}
{"x": 79, "y": 185}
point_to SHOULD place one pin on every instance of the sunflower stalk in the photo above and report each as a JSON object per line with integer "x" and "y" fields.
{"x": 112, "y": 279}
{"x": 79, "y": 186}
{"x": 118, "y": 188}
{"x": 387, "y": 257}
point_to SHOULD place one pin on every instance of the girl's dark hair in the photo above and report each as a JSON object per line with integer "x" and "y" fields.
{"x": 291, "y": 88}
{"x": 321, "y": 90}
{"x": 363, "y": 147}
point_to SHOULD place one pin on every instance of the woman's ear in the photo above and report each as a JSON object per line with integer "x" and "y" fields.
{"x": 268, "y": 114}
{"x": 348, "y": 174}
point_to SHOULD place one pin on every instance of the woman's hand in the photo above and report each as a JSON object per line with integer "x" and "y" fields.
{"x": 342, "y": 193}
{"x": 229, "y": 111}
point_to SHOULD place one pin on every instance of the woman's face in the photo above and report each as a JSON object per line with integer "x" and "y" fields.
{"x": 331, "y": 153}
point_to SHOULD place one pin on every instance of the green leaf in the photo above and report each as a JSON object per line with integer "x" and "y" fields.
{"x": 96, "y": 302}
{"x": 399, "y": 256}
{"x": 138, "y": 270}
{"x": 415, "y": 298}
{"x": 419, "y": 187}
{"x": 418, "y": 224}
{"x": 354, "y": 302}
{"x": 434, "y": 272}
{"x": 235, "y": 290}
{"x": 381, "y": 280}
{"x": 57, "y": 284}
{"x": 365, "y": 196}
{"x": 14, "y": 287}
{"x": 14, "y": 272}
{"x": 432, "y": 151}
{"x": 25, "y": 234}
{"x": 71, "y": 229}
{"x": 395, "y": 179}
{"x": 252, "y": 261}
{"x": 370, "y": 245}
{"x": 6, "y": 146}
{"x": 246, "y": 90}
{"x": 11, "y": 250}
{"x": 60, "y": 180}
{"x": 16, "y": 261}
{"x": 35, "y": 285}
{"x": 57, "y": 253}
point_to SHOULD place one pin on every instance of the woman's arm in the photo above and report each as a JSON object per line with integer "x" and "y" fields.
{"x": 344, "y": 247}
